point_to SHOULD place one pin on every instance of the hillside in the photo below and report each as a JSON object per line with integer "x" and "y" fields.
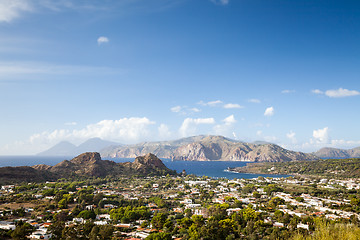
{"x": 344, "y": 168}
{"x": 162, "y": 149}
{"x": 338, "y": 153}
{"x": 210, "y": 148}
{"x": 219, "y": 148}
{"x": 86, "y": 165}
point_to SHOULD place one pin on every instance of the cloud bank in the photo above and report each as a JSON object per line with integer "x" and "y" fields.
{"x": 12, "y": 9}
{"x": 337, "y": 93}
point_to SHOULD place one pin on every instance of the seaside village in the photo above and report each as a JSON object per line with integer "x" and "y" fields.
{"x": 137, "y": 207}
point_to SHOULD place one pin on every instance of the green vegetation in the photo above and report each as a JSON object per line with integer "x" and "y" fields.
{"x": 187, "y": 207}
{"x": 338, "y": 168}
{"x": 331, "y": 231}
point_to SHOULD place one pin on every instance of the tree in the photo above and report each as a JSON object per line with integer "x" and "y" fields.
{"x": 159, "y": 236}
{"x": 94, "y": 233}
{"x": 56, "y": 229}
{"x": 106, "y": 232}
{"x": 86, "y": 214}
{"x": 21, "y": 231}
{"x": 276, "y": 201}
{"x": 256, "y": 195}
{"x": 158, "y": 220}
{"x": 62, "y": 203}
{"x": 355, "y": 201}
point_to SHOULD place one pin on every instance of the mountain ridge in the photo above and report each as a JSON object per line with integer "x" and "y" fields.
{"x": 329, "y": 152}
{"x": 209, "y": 148}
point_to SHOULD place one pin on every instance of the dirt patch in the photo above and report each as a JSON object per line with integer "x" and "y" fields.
{"x": 13, "y": 206}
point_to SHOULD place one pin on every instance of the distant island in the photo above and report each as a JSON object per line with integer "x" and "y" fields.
{"x": 197, "y": 148}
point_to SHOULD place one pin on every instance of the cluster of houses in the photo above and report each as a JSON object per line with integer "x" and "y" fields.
{"x": 189, "y": 199}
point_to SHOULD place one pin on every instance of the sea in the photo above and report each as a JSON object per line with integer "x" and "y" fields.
{"x": 214, "y": 169}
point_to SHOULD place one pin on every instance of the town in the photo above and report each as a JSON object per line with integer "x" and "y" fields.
{"x": 177, "y": 207}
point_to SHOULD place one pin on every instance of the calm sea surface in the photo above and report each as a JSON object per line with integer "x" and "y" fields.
{"x": 211, "y": 169}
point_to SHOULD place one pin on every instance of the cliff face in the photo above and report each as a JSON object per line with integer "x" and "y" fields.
{"x": 338, "y": 153}
{"x": 161, "y": 149}
{"x": 214, "y": 148}
{"x": 211, "y": 148}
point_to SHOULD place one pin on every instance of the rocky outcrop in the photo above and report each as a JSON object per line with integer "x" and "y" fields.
{"x": 149, "y": 164}
{"x": 85, "y": 165}
{"x": 338, "y": 153}
{"x": 90, "y": 164}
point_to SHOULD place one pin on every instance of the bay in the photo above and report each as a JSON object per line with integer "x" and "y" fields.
{"x": 213, "y": 169}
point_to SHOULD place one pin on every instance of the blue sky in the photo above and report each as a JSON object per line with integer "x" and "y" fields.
{"x": 286, "y": 72}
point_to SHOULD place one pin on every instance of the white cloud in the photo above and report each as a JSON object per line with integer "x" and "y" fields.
{"x": 211, "y": 103}
{"x": 321, "y": 135}
{"x": 176, "y": 109}
{"x": 291, "y": 135}
{"x": 254, "y": 100}
{"x": 221, "y": 2}
{"x": 232, "y": 105}
{"x": 164, "y": 132}
{"x": 317, "y": 91}
{"x": 226, "y": 129}
{"x": 341, "y": 92}
{"x": 195, "y": 110}
{"x": 269, "y": 112}
{"x": 12, "y": 9}
{"x": 337, "y": 93}
{"x": 184, "y": 110}
{"x": 102, "y": 40}
{"x": 229, "y": 120}
{"x": 234, "y": 135}
{"x": 259, "y": 133}
{"x": 189, "y": 125}
{"x": 124, "y": 130}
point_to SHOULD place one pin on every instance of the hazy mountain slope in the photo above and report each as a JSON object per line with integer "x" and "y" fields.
{"x": 217, "y": 148}
{"x": 65, "y": 148}
{"x": 162, "y": 149}
{"x": 94, "y": 145}
{"x": 338, "y": 153}
{"x": 209, "y": 148}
